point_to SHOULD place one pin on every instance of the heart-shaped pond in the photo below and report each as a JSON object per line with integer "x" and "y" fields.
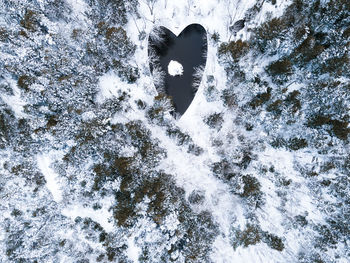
{"x": 177, "y": 62}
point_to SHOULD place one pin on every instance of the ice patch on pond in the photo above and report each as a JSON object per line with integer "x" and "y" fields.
{"x": 175, "y": 68}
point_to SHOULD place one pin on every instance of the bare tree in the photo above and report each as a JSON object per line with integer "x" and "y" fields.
{"x": 197, "y": 77}
{"x": 150, "y": 4}
{"x": 156, "y": 70}
{"x": 232, "y": 8}
{"x": 156, "y": 35}
{"x": 189, "y": 5}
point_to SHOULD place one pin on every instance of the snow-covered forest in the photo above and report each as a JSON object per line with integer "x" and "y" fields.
{"x": 94, "y": 168}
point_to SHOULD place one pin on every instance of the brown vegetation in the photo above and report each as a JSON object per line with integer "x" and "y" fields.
{"x": 236, "y": 49}
{"x": 24, "y": 81}
{"x": 30, "y": 20}
{"x": 280, "y": 67}
{"x": 260, "y": 98}
{"x": 339, "y": 128}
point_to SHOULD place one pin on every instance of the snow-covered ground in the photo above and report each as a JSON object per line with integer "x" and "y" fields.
{"x": 85, "y": 145}
{"x": 52, "y": 183}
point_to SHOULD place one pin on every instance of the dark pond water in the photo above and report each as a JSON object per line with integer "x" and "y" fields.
{"x": 189, "y": 49}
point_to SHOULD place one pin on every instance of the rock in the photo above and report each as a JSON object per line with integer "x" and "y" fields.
{"x": 237, "y": 26}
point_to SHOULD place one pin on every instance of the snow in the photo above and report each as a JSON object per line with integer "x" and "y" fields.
{"x": 44, "y": 162}
{"x": 192, "y": 173}
{"x": 15, "y": 101}
{"x": 100, "y": 216}
{"x": 175, "y": 68}
{"x": 79, "y": 7}
{"x": 108, "y": 84}
{"x": 111, "y": 86}
{"x": 133, "y": 251}
{"x": 89, "y": 115}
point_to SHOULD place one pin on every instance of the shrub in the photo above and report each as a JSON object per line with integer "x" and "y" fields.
{"x": 280, "y": 67}
{"x": 101, "y": 174}
{"x": 268, "y": 31}
{"x": 328, "y": 238}
{"x": 16, "y": 212}
{"x": 251, "y": 235}
{"x": 251, "y": 191}
{"x": 273, "y": 241}
{"x": 76, "y": 33}
{"x": 181, "y": 138}
{"x": 162, "y": 104}
{"x": 3, "y": 34}
{"x": 236, "y": 49}
{"x": 249, "y": 126}
{"x": 51, "y": 122}
{"x": 215, "y": 36}
{"x": 161, "y": 193}
{"x": 308, "y": 50}
{"x": 221, "y": 168}
{"x": 297, "y": 143}
{"x": 230, "y": 98}
{"x": 301, "y": 220}
{"x": 24, "y": 81}
{"x": 251, "y": 187}
{"x": 271, "y": 29}
{"x": 247, "y": 158}
{"x": 336, "y": 65}
{"x": 148, "y": 149}
{"x": 275, "y": 107}
{"x": 260, "y": 99}
{"x": 200, "y": 233}
{"x": 124, "y": 210}
{"x": 5, "y": 127}
{"x": 196, "y": 197}
{"x": 126, "y": 72}
{"x": 210, "y": 93}
{"x": 299, "y": 32}
{"x": 346, "y": 32}
{"x": 123, "y": 165}
{"x": 318, "y": 120}
{"x": 117, "y": 39}
{"x": 141, "y": 104}
{"x": 292, "y": 100}
{"x": 111, "y": 169}
{"x": 214, "y": 120}
{"x": 339, "y": 128}
{"x": 195, "y": 149}
{"x": 30, "y": 21}
{"x": 292, "y": 144}
{"x": 39, "y": 179}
